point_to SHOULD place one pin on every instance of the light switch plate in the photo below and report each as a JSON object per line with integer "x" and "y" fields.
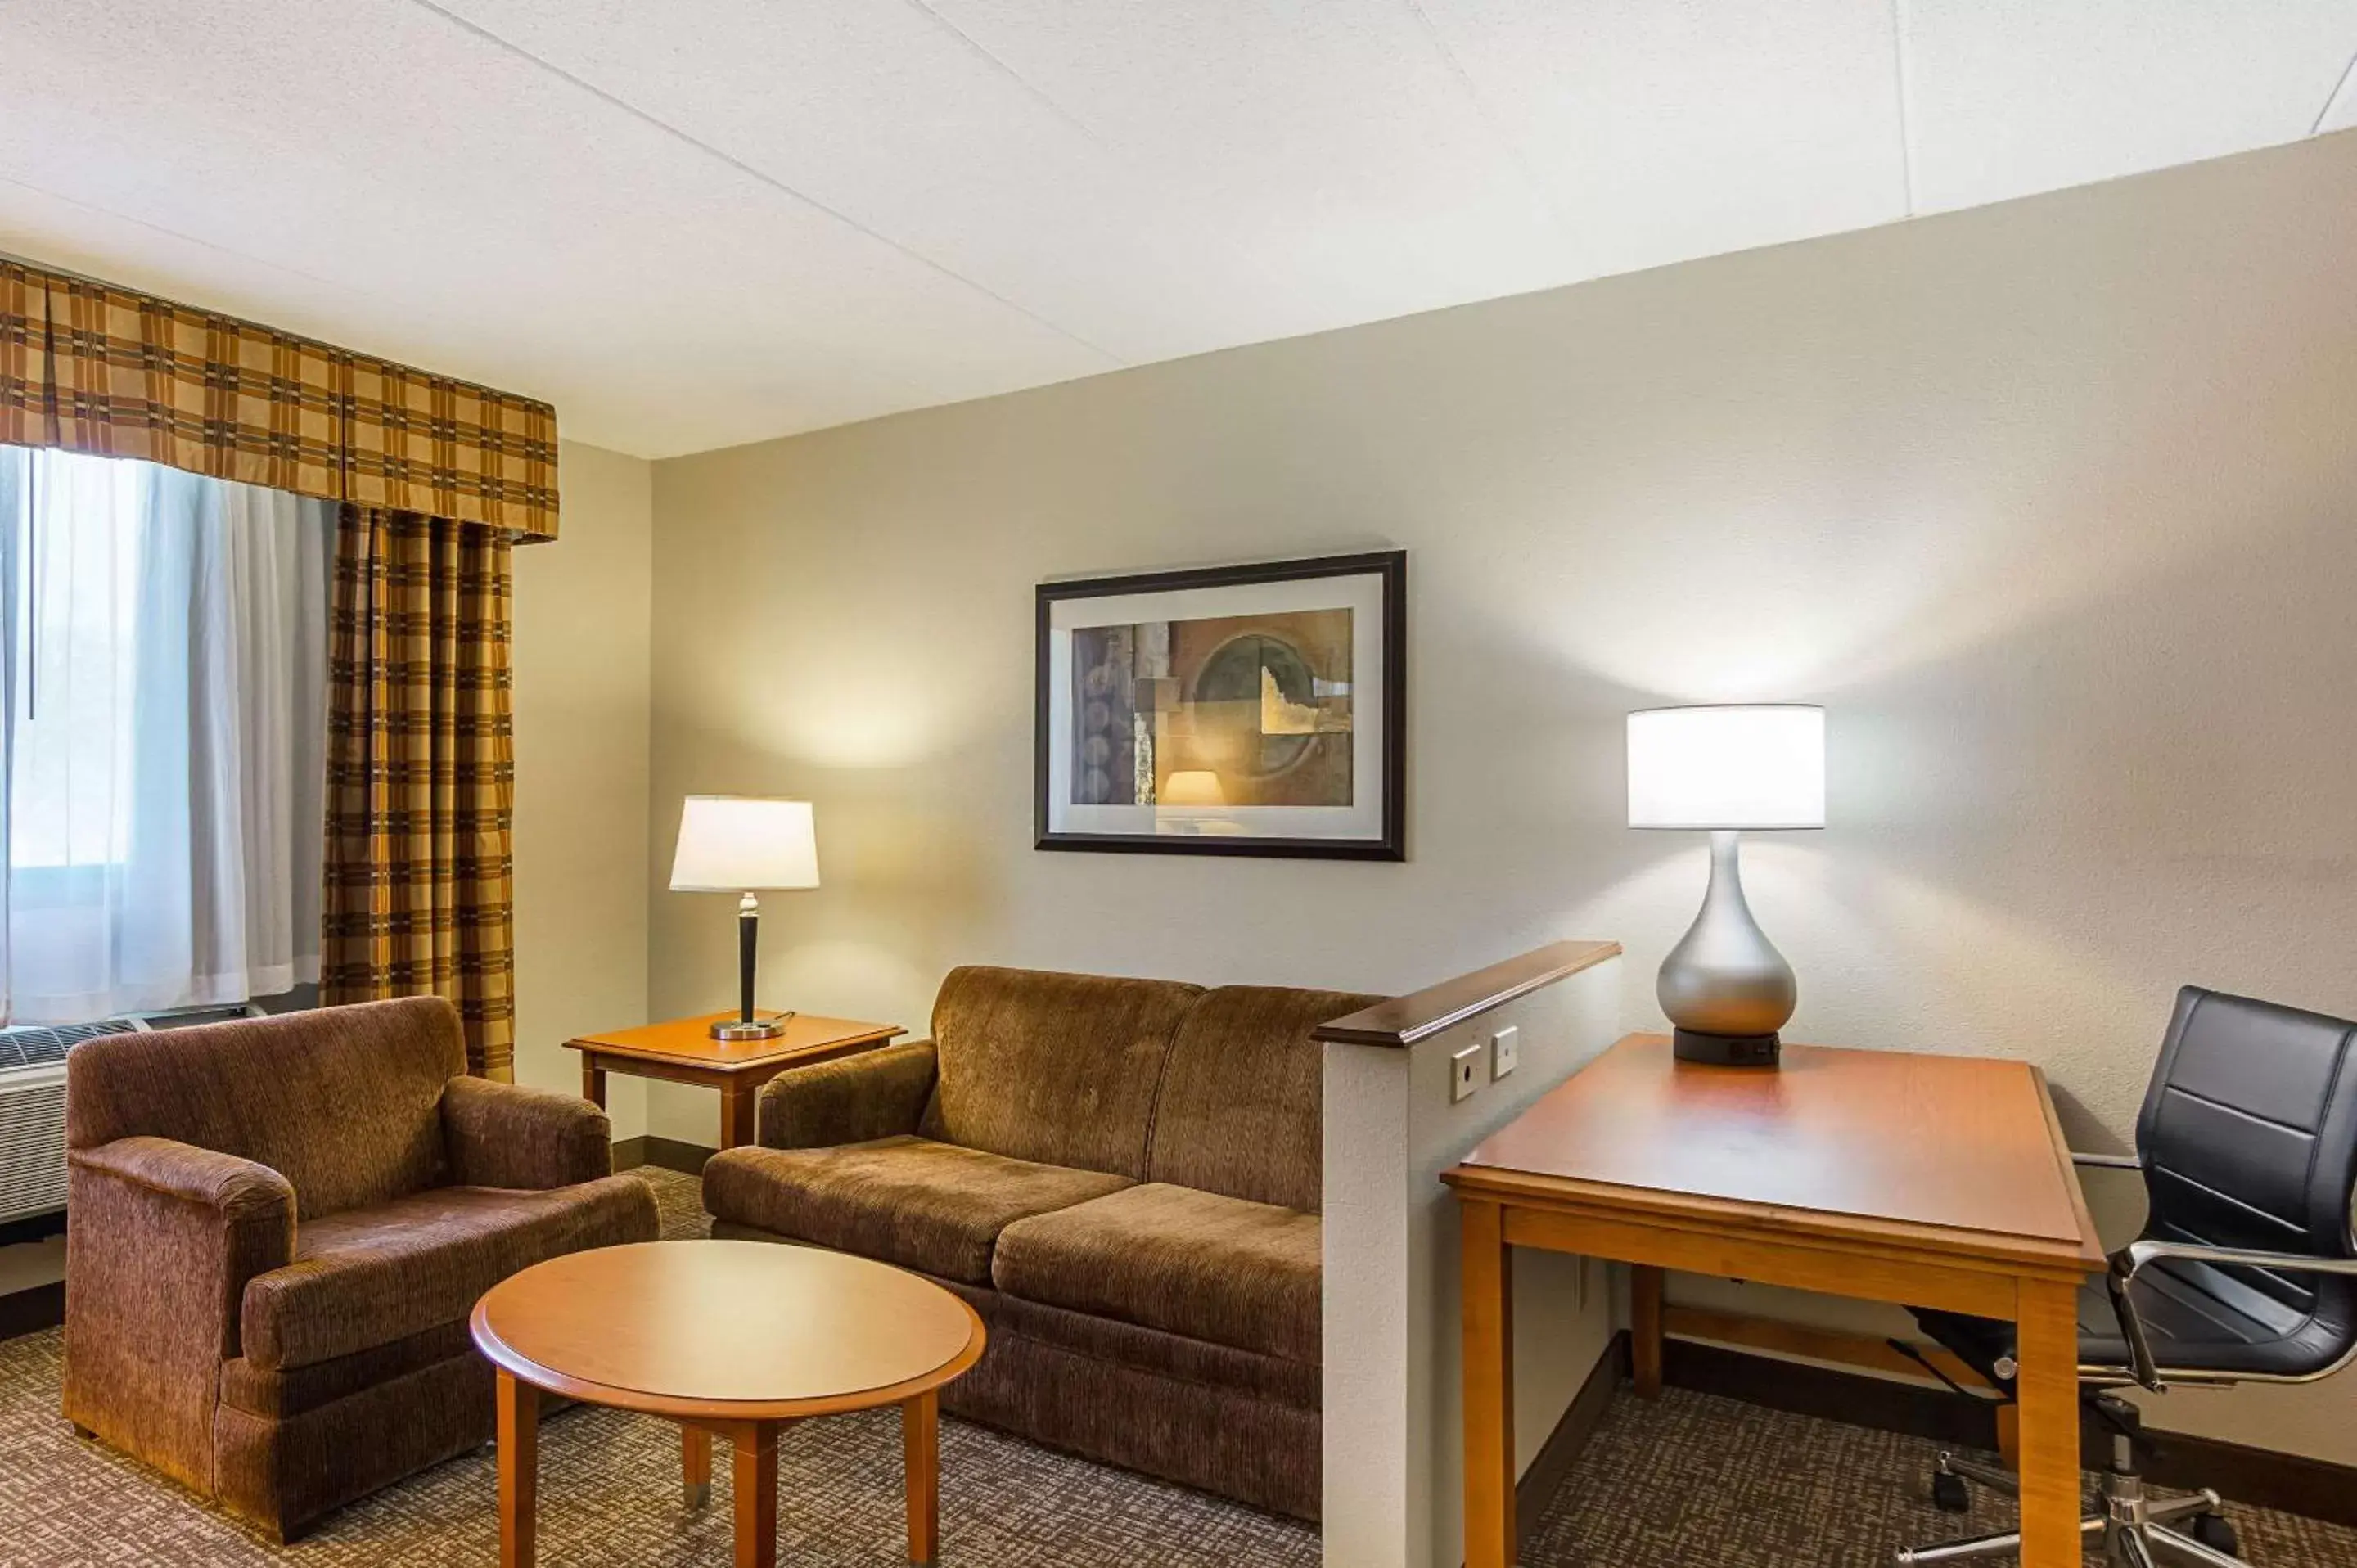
{"x": 1505, "y": 1050}
{"x": 1464, "y": 1072}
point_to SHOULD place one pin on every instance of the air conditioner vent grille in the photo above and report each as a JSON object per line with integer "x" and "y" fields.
{"x": 38, "y": 1043}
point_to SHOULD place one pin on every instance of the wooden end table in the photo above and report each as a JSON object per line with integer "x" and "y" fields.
{"x": 684, "y": 1051}
{"x": 737, "y": 1339}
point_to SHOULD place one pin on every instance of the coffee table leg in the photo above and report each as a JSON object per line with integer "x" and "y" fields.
{"x": 696, "y": 1465}
{"x": 921, "y": 1453}
{"x": 519, "y": 1419}
{"x": 755, "y": 1446}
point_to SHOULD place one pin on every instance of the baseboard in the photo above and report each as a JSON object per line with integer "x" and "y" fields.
{"x": 670, "y": 1153}
{"x": 31, "y": 1311}
{"x": 2261, "y": 1477}
{"x": 1564, "y": 1445}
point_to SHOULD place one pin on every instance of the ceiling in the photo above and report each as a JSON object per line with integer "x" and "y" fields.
{"x": 691, "y": 223}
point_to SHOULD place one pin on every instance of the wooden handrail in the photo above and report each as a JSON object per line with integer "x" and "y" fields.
{"x": 1402, "y": 1021}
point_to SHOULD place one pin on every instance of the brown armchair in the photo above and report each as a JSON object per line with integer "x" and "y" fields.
{"x": 276, "y": 1229}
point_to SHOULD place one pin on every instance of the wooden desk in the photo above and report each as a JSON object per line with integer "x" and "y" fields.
{"x": 684, "y": 1051}
{"x": 1930, "y": 1180}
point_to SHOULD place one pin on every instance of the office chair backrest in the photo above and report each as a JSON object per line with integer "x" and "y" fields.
{"x": 2248, "y": 1137}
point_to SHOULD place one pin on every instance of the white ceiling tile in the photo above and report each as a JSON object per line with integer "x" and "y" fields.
{"x": 2007, "y": 97}
{"x": 1329, "y": 138}
{"x": 885, "y": 113}
{"x": 1667, "y": 131}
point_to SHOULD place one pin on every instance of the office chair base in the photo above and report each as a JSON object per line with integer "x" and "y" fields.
{"x": 2135, "y": 1530}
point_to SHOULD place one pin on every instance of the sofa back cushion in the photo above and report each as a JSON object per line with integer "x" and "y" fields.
{"x": 345, "y": 1102}
{"x": 1241, "y": 1111}
{"x": 1060, "y": 1068}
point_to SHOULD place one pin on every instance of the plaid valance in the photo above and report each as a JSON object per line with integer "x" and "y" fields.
{"x": 93, "y": 367}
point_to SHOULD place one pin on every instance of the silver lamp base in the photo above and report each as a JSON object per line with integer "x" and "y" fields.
{"x": 756, "y": 1029}
{"x": 1725, "y": 986}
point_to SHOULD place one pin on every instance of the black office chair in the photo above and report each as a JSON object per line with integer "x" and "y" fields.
{"x": 2246, "y": 1271}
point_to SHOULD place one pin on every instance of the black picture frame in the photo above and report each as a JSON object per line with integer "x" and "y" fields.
{"x": 1389, "y": 565}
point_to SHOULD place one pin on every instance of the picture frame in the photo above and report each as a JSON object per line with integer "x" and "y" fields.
{"x": 1246, "y": 710}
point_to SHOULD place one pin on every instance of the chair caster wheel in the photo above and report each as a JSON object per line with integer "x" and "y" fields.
{"x": 1949, "y": 1494}
{"x": 2215, "y": 1531}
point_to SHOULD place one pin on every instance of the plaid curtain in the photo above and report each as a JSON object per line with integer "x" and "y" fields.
{"x": 93, "y": 368}
{"x": 421, "y": 773}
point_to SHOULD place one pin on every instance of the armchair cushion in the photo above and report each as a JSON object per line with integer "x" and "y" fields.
{"x": 344, "y": 1103}
{"x": 502, "y": 1134}
{"x": 935, "y": 1208}
{"x": 854, "y": 1100}
{"x": 1189, "y": 1263}
{"x": 370, "y": 1276}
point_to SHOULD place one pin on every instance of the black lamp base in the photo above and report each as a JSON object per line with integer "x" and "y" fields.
{"x": 1726, "y": 1051}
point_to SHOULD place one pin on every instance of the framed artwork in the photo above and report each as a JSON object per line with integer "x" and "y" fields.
{"x": 1235, "y": 710}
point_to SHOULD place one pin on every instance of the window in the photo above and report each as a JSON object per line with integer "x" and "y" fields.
{"x": 162, "y": 736}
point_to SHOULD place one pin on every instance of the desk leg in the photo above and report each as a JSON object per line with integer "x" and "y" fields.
{"x": 1488, "y": 1313}
{"x": 1645, "y": 1330}
{"x": 519, "y": 1428}
{"x": 920, "y": 1451}
{"x": 593, "y": 1082}
{"x": 2048, "y": 1390}
{"x": 696, "y": 1465}
{"x": 755, "y": 1446}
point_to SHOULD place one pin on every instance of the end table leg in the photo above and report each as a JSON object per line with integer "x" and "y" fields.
{"x": 738, "y": 1107}
{"x": 920, "y": 1451}
{"x": 518, "y": 1426}
{"x": 1645, "y": 1330}
{"x": 593, "y": 1083}
{"x": 755, "y": 1446}
{"x": 696, "y": 1465}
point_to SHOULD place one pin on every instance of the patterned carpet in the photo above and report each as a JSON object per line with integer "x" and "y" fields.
{"x": 1687, "y": 1482}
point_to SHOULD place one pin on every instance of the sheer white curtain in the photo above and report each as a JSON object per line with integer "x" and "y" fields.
{"x": 162, "y": 736}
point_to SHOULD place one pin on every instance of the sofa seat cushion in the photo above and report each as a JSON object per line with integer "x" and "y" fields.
{"x": 1173, "y": 1258}
{"x": 935, "y": 1208}
{"x": 368, "y": 1277}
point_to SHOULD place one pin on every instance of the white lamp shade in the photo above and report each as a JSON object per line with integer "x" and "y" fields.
{"x": 1737, "y": 765}
{"x": 732, "y": 843}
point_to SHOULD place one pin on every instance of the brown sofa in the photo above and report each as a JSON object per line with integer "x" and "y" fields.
{"x": 1122, "y": 1176}
{"x": 276, "y": 1229}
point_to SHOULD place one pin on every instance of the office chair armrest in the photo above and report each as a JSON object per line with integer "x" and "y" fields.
{"x": 2130, "y": 1260}
{"x": 2139, "y": 1253}
{"x": 2107, "y": 1161}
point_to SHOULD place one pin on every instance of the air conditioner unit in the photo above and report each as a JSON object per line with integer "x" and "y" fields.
{"x": 33, "y": 1100}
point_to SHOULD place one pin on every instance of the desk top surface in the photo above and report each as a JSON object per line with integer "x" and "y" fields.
{"x": 689, "y": 1042}
{"x": 1965, "y": 1144}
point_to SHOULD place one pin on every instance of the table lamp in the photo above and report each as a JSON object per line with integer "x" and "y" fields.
{"x": 1725, "y": 769}
{"x": 735, "y": 843}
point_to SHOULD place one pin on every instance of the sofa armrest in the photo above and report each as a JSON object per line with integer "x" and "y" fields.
{"x": 876, "y": 1094}
{"x": 503, "y": 1134}
{"x": 164, "y": 1237}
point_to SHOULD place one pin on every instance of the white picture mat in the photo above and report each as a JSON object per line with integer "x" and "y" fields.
{"x": 1361, "y": 593}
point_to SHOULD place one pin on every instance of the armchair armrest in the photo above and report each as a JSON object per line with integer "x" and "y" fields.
{"x": 2130, "y": 1260}
{"x": 503, "y": 1134}
{"x": 854, "y": 1100}
{"x": 165, "y": 1236}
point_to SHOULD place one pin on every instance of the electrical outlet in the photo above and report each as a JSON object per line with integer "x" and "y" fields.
{"x": 1465, "y": 1073}
{"x": 1505, "y": 1050}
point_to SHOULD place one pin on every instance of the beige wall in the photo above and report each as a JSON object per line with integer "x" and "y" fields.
{"x": 582, "y": 607}
{"x": 2051, "y": 503}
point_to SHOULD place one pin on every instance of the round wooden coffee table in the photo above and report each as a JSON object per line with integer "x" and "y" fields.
{"x": 738, "y": 1339}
